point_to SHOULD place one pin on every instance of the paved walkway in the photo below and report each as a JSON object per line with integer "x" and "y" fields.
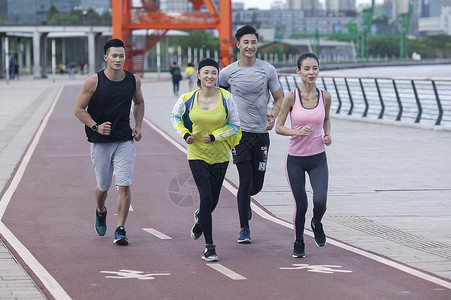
{"x": 389, "y": 185}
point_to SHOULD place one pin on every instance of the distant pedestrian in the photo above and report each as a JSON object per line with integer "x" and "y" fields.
{"x": 207, "y": 119}
{"x": 72, "y": 71}
{"x": 107, "y": 96}
{"x": 309, "y": 109}
{"x": 16, "y": 69}
{"x": 190, "y": 74}
{"x": 250, "y": 80}
{"x": 176, "y": 77}
{"x": 12, "y": 68}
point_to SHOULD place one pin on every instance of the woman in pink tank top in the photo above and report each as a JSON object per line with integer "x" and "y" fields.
{"x": 309, "y": 110}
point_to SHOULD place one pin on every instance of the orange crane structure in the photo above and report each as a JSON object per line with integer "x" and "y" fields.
{"x": 127, "y": 18}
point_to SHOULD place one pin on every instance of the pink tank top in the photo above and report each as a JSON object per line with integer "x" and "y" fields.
{"x": 314, "y": 117}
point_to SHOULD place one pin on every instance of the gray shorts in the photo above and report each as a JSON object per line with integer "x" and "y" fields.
{"x": 109, "y": 158}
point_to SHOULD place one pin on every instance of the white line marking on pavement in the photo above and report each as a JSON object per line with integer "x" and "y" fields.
{"x": 158, "y": 234}
{"x": 165, "y": 135}
{"x": 44, "y": 276}
{"x": 267, "y": 216}
{"x": 226, "y": 271}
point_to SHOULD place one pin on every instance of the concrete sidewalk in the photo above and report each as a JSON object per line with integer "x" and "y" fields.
{"x": 389, "y": 192}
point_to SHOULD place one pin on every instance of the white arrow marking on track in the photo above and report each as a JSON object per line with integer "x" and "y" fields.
{"x": 226, "y": 271}
{"x": 327, "y": 269}
{"x": 158, "y": 234}
{"x": 131, "y": 274}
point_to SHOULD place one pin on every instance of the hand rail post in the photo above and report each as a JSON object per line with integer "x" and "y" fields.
{"x": 288, "y": 84}
{"x": 324, "y": 83}
{"x": 439, "y": 105}
{"x": 350, "y": 98}
{"x": 398, "y": 118}
{"x": 420, "y": 109}
{"x": 365, "y": 112}
{"x": 381, "y": 113}
{"x": 338, "y": 96}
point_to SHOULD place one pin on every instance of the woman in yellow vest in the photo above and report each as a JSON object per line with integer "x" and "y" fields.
{"x": 190, "y": 74}
{"x": 207, "y": 119}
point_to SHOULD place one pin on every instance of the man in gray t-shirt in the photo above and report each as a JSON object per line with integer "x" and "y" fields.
{"x": 250, "y": 79}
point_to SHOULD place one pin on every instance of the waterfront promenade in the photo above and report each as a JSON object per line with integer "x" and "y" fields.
{"x": 389, "y": 193}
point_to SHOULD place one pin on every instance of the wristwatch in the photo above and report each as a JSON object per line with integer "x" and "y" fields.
{"x": 94, "y": 127}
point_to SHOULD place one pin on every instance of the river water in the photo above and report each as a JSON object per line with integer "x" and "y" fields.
{"x": 420, "y": 71}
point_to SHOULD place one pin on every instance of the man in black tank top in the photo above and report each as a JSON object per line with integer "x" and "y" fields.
{"x": 103, "y": 105}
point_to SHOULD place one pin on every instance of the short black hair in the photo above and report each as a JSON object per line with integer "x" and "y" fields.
{"x": 113, "y": 43}
{"x": 306, "y": 55}
{"x": 246, "y": 29}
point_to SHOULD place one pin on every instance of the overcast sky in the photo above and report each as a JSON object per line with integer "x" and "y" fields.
{"x": 265, "y": 4}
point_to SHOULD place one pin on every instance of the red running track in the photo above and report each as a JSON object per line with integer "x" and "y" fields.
{"x": 51, "y": 213}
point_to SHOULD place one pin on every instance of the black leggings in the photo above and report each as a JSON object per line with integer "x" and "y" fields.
{"x": 250, "y": 157}
{"x": 251, "y": 182}
{"x": 209, "y": 179}
{"x": 316, "y": 167}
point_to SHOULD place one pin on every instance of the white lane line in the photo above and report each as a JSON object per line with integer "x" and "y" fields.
{"x": 157, "y": 233}
{"x": 44, "y": 276}
{"x": 226, "y": 271}
{"x": 26, "y": 159}
{"x": 366, "y": 254}
{"x": 165, "y": 135}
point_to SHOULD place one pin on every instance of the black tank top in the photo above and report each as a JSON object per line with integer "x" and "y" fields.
{"x": 112, "y": 102}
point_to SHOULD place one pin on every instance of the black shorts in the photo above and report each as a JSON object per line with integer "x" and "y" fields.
{"x": 252, "y": 146}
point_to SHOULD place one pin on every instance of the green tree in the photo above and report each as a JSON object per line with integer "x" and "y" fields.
{"x": 52, "y": 12}
{"x": 76, "y": 17}
{"x": 196, "y": 39}
{"x": 384, "y": 47}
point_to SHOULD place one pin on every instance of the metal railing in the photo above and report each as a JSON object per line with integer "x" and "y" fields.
{"x": 411, "y": 100}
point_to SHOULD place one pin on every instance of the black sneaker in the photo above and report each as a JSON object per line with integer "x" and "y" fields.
{"x": 120, "y": 237}
{"x": 318, "y": 231}
{"x": 196, "y": 231}
{"x": 100, "y": 225}
{"x": 210, "y": 253}
{"x": 298, "y": 250}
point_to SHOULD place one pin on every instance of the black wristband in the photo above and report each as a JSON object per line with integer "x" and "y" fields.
{"x": 187, "y": 135}
{"x": 212, "y": 138}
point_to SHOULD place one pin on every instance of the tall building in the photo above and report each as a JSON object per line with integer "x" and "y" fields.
{"x": 32, "y": 11}
{"x": 401, "y": 6}
{"x": 180, "y": 5}
{"x": 278, "y": 5}
{"x": 340, "y": 5}
{"x": 435, "y": 7}
{"x": 99, "y": 6}
{"x": 311, "y": 5}
{"x": 3, "y": 8}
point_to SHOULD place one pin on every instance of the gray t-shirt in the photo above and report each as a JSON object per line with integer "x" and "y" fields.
{"x": 249, "y": 86}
